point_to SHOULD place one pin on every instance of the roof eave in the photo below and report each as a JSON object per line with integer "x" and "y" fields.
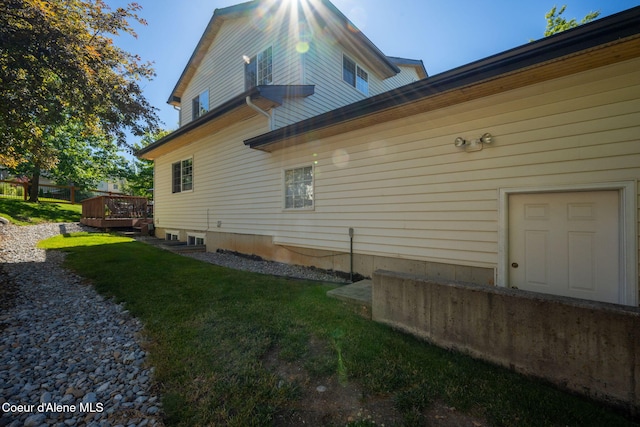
{"x": 601, "y": 32}
{"x": 385, "y": 67}
{"x": 209, "y": 34}
{"x": 273, "y": 94}
{"x": 415, "y": 63}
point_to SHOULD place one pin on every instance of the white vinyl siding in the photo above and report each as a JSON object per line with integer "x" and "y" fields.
{"x": 323, "y": 67}
{"x": 406, "y": 76}
{"x": 403, "y": 186}
{"x": 222, "y": 70}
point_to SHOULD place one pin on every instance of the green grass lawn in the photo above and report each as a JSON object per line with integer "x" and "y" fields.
{"x": 25, "y": 213}
{"x": 215, "y": 332}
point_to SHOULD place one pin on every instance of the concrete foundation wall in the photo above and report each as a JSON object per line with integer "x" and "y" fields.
{"x": 586, "y": 347}
{"x": 363, "y": 264}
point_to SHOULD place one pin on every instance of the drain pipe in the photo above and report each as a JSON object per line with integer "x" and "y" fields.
{"x": 260, "y": 110}
{"x": 351, "y": 254}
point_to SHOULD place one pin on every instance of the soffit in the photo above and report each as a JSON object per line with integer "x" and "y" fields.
{"x": 227, "y": 114}
{"x": 395, "y": 104}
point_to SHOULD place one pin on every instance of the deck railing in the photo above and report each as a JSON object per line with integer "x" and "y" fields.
{"x": 115, "y": 207}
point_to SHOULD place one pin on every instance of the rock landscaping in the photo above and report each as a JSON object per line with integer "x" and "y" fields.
{"x": 67, "y": 355}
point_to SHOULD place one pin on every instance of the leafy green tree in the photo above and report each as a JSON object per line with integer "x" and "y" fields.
{"x": 85, "y": 160}
{"x": 81, "y": 159}
{"x": 58, "y": 63}
{"x": 556, "y": 23}
{"x": 139, "y": 181}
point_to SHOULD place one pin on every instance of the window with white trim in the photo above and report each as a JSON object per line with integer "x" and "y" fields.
{"x": 200, "y": 105}
{"x": 353, "y": 74}
{"x": 195, "y": 239}
{"x": 182, "y": 176}
{"x": 298, "y": 188}
{"x": 258, "y": 70}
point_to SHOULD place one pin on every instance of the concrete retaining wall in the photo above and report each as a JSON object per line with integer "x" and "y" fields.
{"x": 586, "y": 347}
{"x": 363, "y": 264}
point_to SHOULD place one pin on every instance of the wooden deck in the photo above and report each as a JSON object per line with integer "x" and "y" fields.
{"x": 117, "y": 211}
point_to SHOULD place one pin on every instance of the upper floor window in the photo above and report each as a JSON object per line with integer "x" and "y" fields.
{"x": 258, "y": 70}
{"x": 182, "y": 176}
{"x": 354, "y": 75}
{"x": 200, "y": 105}
{"x": 298, "y": 188}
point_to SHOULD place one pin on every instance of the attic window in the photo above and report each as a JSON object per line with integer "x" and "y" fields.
{"x": 354, "y": 75}
{"x": 258, "y": 70}
{"x": 200, "y": 105}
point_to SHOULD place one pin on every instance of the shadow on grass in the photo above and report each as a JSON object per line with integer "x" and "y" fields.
{"x": 212, "y": 328}
{"x": 25, "y": 213}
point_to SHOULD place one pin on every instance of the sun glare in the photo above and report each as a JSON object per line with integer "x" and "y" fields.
{"x": 295, "y": 16}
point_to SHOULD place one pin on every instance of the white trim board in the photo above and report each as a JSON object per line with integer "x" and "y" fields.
{"x": 628, "y": 233}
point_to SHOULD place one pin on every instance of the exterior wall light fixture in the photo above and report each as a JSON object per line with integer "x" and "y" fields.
{"x": 474, "y": 144}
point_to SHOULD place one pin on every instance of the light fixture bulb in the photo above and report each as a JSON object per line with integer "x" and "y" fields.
{"x": 459, "y": 142}
{"x": 486, "y": 138}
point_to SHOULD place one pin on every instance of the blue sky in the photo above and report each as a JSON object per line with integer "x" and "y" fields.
{"x": 443, "y": 34}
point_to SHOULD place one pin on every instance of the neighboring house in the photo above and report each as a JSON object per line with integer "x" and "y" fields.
{"x": 517, "y": 170}
{"x": 111, "y": 186}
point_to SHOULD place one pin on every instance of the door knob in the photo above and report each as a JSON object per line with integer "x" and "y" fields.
{"x": 514, "y": 264}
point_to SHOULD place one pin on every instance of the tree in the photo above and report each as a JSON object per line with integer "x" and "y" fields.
{"x": 139, "y": 181}
{"x": 556, "y": 23}
{"x": 58, "y": 64}
{"x": 82, "y": 159}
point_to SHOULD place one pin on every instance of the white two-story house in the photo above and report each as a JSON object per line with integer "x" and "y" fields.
{"x": 302, "y": 142}
{"x": 259, "y": 66}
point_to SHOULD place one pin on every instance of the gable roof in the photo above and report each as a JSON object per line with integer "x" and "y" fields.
{"x": 415, "y": 63}
{"x": 231, "y": 111}
{"x": 604, "y": 41}
{"x": 322, "y": 10}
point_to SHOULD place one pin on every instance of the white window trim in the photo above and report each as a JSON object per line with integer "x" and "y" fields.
{"x": 357, "y": 64}
{"x": 628, "y": 224}
{"x": 284, "y": 189}
{"x": 181, "y": 183}
{"x": 197, "y": 236}
{"x": 172, "y": 233}
{"x": 259, "y": 52}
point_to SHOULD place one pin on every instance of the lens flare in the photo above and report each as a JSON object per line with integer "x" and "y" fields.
{"x": 340, "y": 158}
{"x": 302, "y": 47}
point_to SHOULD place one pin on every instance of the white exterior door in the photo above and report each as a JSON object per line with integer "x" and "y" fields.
{"x": 566, "y": 244}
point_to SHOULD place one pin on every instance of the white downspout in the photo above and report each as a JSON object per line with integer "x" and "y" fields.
{"x": 261, "y": 111}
